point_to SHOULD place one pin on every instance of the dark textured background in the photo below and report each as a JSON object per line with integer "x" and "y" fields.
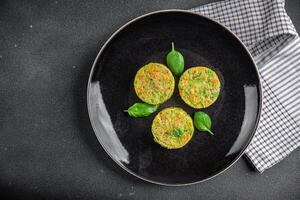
{"x": 47, "y": 147}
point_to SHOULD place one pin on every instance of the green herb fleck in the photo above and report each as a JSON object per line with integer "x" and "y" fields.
{"x": 215, "y": 95}
{"x": 208, "y": 72}
{"x": 177, "y": 132}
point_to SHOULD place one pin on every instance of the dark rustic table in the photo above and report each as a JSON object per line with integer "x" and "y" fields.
{"x": 47, "y": 147}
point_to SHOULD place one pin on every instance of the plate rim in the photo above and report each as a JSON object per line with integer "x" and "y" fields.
{"x": 213, "y": 21}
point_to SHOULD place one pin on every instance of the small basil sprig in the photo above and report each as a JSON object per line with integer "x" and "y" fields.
{"x": 141, "y": 110}
{"x": 175, "y": 61}
{"x": 202, "y": 121}
{"x": 177, "y": 132}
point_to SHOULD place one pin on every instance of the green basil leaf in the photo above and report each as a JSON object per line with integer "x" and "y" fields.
{"x": 202, "y": 122}
{"x": 141, "y": 110}
{"x": 175, "y": 61}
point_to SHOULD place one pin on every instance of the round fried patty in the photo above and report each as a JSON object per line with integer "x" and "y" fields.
{"x": 154, "y": 83}
{"x": 172, "y": 128}
{"x": 199, "y": 87}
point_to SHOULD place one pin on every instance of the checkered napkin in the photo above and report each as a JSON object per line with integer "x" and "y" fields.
{"x": 269, "y": 34}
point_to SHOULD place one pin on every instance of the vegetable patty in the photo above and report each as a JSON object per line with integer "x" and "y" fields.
{"x": 199, "y": 87}
{"x": 154, "y": 83}
{"x": 172, "y": 128}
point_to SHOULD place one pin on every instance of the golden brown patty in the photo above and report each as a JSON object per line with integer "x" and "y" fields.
{"x": 172, "y": 128}
{"x": 154, "y": 83}
{"x": 199, "y": 87}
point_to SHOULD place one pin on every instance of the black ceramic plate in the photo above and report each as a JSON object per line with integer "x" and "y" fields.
{"x": 129, "y": 141}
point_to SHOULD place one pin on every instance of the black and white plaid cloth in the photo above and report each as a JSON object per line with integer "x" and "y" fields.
{"x": 269, "y": 34}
